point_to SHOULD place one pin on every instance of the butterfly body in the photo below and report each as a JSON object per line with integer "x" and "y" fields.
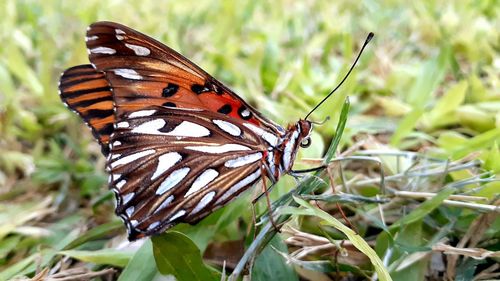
{"x": 179, "y": 144}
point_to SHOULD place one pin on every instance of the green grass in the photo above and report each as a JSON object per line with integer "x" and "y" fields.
{"x": 424, "y": 118}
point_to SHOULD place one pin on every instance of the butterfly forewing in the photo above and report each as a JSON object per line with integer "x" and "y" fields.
{"x": 172, "y": 165}
{"x": 144, "y": 71}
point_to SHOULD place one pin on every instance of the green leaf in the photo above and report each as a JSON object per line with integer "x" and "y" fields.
{"x": 384, "y": 239}
{"x": 466, "y": 269}
{"x": 18, "y": 65}
{"x": 476, "y": 118}
{"x": 29, "y": 265}
{"x": 482, "y": 141}
{"x": 270, "y": 265}
{"x": 492, "y": 162}
{"x": 17, "y": 268}
{"x": 406, "y": 126}
{"x": 7, "y": 245}
{"x": 175, "y": 254}
{"x": 100, "y": 231}
{"x": 446, "y": 106}
{"x": 324, "y": 266}
{"x": 343, "y": 198}
{"x": 424, "y": 209}
{"x": 269, "y": 68}
{"x": 411, "y": 235}
{"x": 142, "y": 266}
{"x": 431, "y": 74}
{"x": 356, "y": 240}
{"x": 118, "y": 258}
{"x": 15, "y": 215}
{"x": 338, "y": 132}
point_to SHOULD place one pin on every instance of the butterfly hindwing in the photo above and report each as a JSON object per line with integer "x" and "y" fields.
{"x": 171, "y": 165}
{"x": 87, "y": 92}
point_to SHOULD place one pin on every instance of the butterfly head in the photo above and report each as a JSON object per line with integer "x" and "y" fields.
{"x": 304, "y": 128}
{"x": 298, "y": 134}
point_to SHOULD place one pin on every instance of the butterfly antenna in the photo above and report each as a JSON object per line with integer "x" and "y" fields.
{"x": 368, "y": 38}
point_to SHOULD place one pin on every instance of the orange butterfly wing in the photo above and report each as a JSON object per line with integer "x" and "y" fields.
{"x": 133, "y": 84}
{"x": 87, "y": 92}
{"x": 144, "y": 72}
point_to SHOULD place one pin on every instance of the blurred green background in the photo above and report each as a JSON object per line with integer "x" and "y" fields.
{"x": 429, "y": 83}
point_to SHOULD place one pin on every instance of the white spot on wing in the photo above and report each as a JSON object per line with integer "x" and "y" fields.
{"x": 268, "y": 137}
{"x": 202, "y": 180}
{"x": 203, "y": 202}
{"x": 239, "y": 185}
{"x": 177, "y": 215}
{"x": 138, "y": 50}
{"x": 184, "y": 129}
{"x": 120, "y": 184}
{"x": 189, "y": 129}
{"x": 129, "y": 211}
{"x": 150, "y": 127}
{"x": 132, "y": 157}
{"x": 228, "y": 127}
{"x": 153, "y": 225}
{"x": 218, "y": 148}
{"x": 123, "y": 124}
{"x": 165, "y": 162}
{"x": 117, "y": 143}
{"x": 270, "y": 159}
{"x": 164, "y": 204}
{"x": 119, "y": 34}
{"x": 102, "y": 50}
{"x": 245, "y": 113}
{"x": 128, "y": 73}
{"x": 243, "y": 160}
{"x": 142, "y": 113}
{"x": 91, "y": 38}
{"x": 127, "y": 198}
{"x": 172, "y": 180}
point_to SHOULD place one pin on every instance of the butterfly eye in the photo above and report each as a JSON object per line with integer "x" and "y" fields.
{"x": 305, "y": 142}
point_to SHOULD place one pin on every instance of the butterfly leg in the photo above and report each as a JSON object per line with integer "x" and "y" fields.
{"x": 269, "y": 189}
{"x": 295, "y": 172}
{"x": 268, "y": 200}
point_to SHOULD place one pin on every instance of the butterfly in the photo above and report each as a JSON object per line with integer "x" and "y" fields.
{"x": 179, "y": 143}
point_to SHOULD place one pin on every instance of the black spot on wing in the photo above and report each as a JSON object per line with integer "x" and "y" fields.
{"x": 168, "y": 127}
{"x": 74, "y": 94}
{"x": 170, "y": 104}
{"x": 85, "y": 103}
{"x": 73, "y": 82}
{"x": 106, "y": 130}
{"x": 199, "y": 89}
{"x": 225, "y": 109}
{"x": 99, "y": 113}
{"x": 170, "y": 90}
